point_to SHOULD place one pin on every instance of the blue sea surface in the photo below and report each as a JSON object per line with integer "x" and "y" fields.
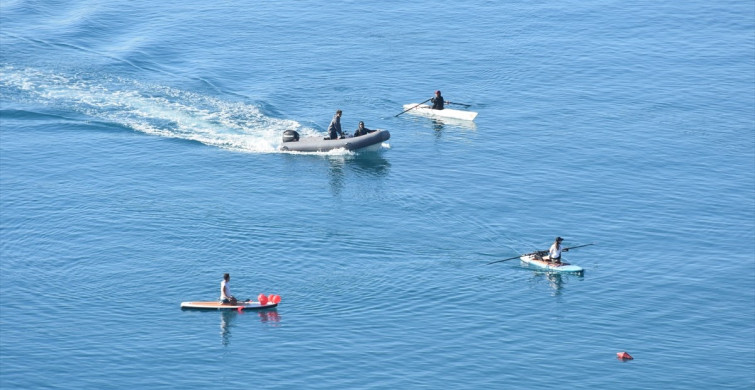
{"x": 139, "y": 162}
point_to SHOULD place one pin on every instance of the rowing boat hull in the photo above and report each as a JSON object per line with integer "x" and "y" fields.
{"x": 553, "y": 267}
{"x": 318, "y": 144}
{"x": 425, "y": 110}
{"x": 215, "y": 305}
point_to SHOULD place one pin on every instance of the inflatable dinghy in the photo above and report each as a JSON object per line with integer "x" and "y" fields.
{"x": 292, "y": 143}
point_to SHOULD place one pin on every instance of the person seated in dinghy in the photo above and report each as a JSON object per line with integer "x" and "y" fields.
{"x": 225, "y": 291}
{"x": 361, "y": 130}
{"x": 554, "y": 252}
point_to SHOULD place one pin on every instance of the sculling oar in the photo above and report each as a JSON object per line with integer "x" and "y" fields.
{"x": 413, "y": 107}
{"x": 578, "y": 246}
{"x": 516, "y": 257}
{"x": 538, "y": 253}
{"x": 461, "y": 104}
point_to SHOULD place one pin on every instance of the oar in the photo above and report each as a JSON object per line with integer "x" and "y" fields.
{"x": 578, "y": 246}
{"x": 538, "y": 252}
{"x": 461, "y": 104}
{"x": 413, "y": 107}
{"x": 516, "y": 257}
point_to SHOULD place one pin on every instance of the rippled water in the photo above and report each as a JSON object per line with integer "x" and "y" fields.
{"x": 138, "y": 163}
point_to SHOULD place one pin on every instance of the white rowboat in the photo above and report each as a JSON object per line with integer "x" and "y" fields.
{"x": 425, "y": 110}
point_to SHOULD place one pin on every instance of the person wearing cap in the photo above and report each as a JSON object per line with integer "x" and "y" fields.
{"x": 361, "y": 130}
{"x": 554, "y": 253}
{"x": 438, "y": 101}
{"x": 334, "y": 128}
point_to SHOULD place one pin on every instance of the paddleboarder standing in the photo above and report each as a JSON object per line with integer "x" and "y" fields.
{"x": 225, "y": 291}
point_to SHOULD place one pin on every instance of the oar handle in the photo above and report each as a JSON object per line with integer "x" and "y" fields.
{"x": 461, "y": 104}
{"x": 578, "y": 246}
{"x": 413, "y": 107}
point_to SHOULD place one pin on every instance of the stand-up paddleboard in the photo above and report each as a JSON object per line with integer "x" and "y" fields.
{"x": 215, "y": 305}
{"x": 425, "y": 110}
{"x": 551, "y": 266}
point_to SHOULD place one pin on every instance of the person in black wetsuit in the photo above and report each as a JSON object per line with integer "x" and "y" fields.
{"x": 438, "y": 101}
{"x": 361, "y": 130}
{"x": 334, "y": 129}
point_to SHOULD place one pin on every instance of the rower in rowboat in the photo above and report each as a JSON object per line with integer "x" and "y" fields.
{"x": 438, "y": 101}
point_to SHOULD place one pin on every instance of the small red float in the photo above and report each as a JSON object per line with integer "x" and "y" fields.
{"x": 624, "y": 356}
{"x": 262, "y": 298}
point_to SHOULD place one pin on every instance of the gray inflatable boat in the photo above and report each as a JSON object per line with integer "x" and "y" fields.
{"x": 292, "y": 143}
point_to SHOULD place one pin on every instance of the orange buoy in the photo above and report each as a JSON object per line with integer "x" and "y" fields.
{"x": 624, "y": 356}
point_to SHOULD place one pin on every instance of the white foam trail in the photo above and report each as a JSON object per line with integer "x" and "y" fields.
{"x": 151, "y": 109}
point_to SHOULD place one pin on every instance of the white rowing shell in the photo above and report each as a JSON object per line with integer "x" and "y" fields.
{"x": 425, "y": 110}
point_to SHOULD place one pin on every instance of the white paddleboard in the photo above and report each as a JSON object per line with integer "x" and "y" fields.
{"x": 215, "y": 305}
{"x": 551, "y": 266}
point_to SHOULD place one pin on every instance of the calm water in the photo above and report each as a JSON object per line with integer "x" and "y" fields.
{"x": 138, "y": 163}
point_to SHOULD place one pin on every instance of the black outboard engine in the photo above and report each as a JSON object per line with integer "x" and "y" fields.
{"x": 290, "y": 136}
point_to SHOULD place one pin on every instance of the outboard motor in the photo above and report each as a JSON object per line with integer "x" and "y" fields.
{"x": 290, "y": 136}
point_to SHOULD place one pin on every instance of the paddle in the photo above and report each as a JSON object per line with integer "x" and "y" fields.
{"x": 538, "y": 253}
{"x": 413, "y": 107}
{"x": 461, "y": 104}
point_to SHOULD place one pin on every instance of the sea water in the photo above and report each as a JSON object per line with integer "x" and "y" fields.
{"x": 139, "y": 162}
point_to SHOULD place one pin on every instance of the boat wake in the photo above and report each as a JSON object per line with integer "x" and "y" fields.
{"x": 151, "y": 109}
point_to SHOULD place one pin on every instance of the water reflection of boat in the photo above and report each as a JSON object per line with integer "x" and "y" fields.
{"x": 363, "y": 164}
{"x": 228, "y": 317}
{"x": 441, "y": 123}
{"x": 370, "y": 163}
{"x": 339, "y": 167}
{"x": 556, "y": 281}
{"x": 226, "y": 320}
